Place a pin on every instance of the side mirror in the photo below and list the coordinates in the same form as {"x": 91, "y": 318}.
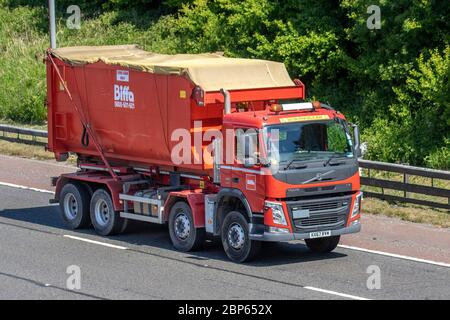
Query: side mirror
{"x": 250, "y": 151}
{"x": 357, "y": 138}
{"x": 249, "y": 162}
{"x": 364, "y": 146}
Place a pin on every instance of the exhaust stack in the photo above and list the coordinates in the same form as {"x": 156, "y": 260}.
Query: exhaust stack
{"x": 227, "y": 100}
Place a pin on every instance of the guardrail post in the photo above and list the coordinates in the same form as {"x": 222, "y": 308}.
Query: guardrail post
{"x": 405, "y": 181}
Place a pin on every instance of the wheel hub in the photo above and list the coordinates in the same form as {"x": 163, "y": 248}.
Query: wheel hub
{"x": 236, "y": 236}
{"x": 102, "y": 212}
{"x": 70, "y": 206}
{"x": 182, "y": 226}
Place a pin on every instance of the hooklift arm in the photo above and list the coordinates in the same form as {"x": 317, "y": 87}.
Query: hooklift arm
{"x": 83, "y": 120}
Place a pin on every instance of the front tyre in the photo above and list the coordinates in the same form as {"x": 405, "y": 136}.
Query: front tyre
{"x": 74, "y": 204}
{"x": 185, "y": 237}
{"x": 323, "y": 245}
{"x": 105, "y": 220}
{"x": 235, "y": 238}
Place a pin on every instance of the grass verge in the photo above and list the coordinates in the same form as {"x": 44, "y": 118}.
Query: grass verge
{"x": 24, "y": 150}
{"x": 407, "y": 212}
{"x": 29, "y": 151}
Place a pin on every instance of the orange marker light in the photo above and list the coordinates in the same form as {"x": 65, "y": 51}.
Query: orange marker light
{"x": 276, "y": 107}
{"x": 316, "y": 104}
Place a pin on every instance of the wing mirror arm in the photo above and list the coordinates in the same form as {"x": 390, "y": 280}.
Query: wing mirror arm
{"x": 357, "y": 137}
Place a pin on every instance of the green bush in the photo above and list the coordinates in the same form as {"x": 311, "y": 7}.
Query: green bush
{"x": 440, "y": 157}
{"x": 22, "y": 76}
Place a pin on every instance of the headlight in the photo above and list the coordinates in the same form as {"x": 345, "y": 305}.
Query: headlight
{"x": 357, "y": 205}
{"x": 277, "y": 213}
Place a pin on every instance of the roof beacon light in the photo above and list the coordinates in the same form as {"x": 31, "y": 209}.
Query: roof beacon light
{"x": 276, "y": 107}
{"x": 317, "y": 104}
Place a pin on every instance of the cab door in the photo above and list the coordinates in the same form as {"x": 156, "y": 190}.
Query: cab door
{"x": 246, "y": 174}
{"x": 226, "y": 161}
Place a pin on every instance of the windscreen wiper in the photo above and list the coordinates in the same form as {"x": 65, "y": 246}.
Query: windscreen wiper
{"x": 288, "y": 166}
{"x": 328, "y": 161}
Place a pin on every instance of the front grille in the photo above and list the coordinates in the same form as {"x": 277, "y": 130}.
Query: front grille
{"x": 308, "y": 222}
{"x": 320, "y": 206}
{"x": 320, "y": 214}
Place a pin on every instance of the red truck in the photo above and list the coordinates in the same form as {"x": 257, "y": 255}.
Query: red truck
{"x": 211, "y": 146}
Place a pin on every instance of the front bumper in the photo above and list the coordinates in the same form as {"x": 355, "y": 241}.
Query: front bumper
{"x": 257, "y": 232}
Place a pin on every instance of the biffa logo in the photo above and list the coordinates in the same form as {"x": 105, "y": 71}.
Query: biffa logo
{"x": 123, "y": 97}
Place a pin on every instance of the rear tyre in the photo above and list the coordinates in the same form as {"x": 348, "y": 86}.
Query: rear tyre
{"x": 323, "y": 245}
{"x": 74, "y": 204}
{"x": 185, "y": 237}
{"x": 105, "y": 220}
{"x": 235, "y": 238}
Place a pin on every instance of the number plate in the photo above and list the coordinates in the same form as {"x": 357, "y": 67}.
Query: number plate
{"x": 320, "y": 234}
{"x": 298, "y": 214}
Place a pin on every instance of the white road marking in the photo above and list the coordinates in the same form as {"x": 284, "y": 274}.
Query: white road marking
{"x": 393, "y": 255}
{"x": 344, "y": 295}
{"x": 40, "y": 162}
{"x": 12, "y": 185}
{"x": 95, "y": 242}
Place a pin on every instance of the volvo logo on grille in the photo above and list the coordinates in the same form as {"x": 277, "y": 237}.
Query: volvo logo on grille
{"x": 319, "y": 177}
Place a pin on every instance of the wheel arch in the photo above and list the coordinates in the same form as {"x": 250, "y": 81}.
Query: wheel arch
{"x": 230, "y": 199}
{"x": 196, "y": 202}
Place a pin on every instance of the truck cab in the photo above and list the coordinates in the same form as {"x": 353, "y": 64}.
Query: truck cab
{"x": 295, "y": 164}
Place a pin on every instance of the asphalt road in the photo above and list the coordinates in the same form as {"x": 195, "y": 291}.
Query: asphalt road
{"x": 36, "y": 250}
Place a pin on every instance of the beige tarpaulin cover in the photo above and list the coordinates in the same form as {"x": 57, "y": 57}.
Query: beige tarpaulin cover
{"x": 210, "y": 71}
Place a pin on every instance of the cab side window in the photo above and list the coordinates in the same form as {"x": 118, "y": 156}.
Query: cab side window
{"x": 246, "y": 146}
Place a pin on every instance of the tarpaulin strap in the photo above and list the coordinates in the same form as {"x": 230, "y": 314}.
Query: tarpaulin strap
{"x": 83, "y": 120}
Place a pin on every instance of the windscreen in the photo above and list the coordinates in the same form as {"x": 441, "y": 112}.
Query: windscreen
{"x": 308, "y": 141}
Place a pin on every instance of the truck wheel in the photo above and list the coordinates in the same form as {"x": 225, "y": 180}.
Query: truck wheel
{"x": 235, "y": 238}
{"x": 74, "y": 204}
{"x": 185, "y": 237}
{"x": 323, "y": 245}
{"x": 106, "y": 221}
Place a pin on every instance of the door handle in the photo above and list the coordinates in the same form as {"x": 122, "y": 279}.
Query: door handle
{"x": 235, "y": 180}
